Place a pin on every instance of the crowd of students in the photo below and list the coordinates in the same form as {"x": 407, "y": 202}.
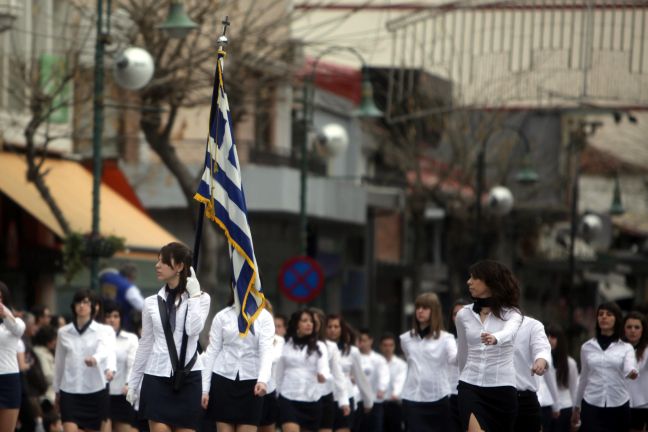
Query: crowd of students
{"x": 493, "y": 369}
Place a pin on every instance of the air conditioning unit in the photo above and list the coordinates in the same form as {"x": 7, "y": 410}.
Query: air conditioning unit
{"x": 9, "y": 11}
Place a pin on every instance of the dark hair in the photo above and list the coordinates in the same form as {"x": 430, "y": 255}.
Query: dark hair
{"x": 452, "y": 328}
{"x": 6, "y": 295}
{"x": 504, "y": 287}
{"x": 364, "y": 331}
{"x": 44, "y": 335}
{"x": 178, "y": 253}
{"x": 281, "y": 317}
{"x": 347, "y": 335}
{"x": 128, "y": 270}
{"x": 110, "y": 306}
{"x": 38, "y": 311}
{"x": 640, "y": 348}
{"x": 291, "y": 332}
{"x": 559, "y": 355}
{"x": 618, "y": 318}
{"x": 319, "y": 316}
{"x": 388, "y": 335}
{"x": 428, "y": 300}
{"x": 81, "y": 295}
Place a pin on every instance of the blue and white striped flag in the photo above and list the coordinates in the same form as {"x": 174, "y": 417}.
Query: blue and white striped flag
{"x": 221, "y": 191}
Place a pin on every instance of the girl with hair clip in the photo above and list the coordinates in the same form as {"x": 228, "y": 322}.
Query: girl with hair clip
{"x": 237, "y": 370}
{"x": 168, "y": 391}
{"x": 565, "y": 371}
{"x": 79, "y": 377}
{"x": 11, "y": 330}
{"x": 339, "y": 332}
{"x": 302, "y": 365}
{"x": 602, "y": 401}
{"x": 486, "y": 331}
{"x": 332, "y": 390}
{"x": 635, "y": 327}
{"x": 431, "y": 352}
{"x": 453, "y": 372}
{"x": 270, "y": 414}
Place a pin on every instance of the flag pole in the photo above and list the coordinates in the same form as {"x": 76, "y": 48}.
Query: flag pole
{"x": 222, "y": 43}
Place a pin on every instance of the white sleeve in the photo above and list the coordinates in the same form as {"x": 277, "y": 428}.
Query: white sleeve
{"x": 361, "y": 380}
{"x": 339, "y": 380}
{"x": 462, "y": 342}
{"x": 134, "y": 298}
{"x": 279, "y": 369}
{"x": 629, "y": 361}
{"x": 16, "y": 326}
{"x": 59, "y": 363}
{"x": 398, "y": 380}
{"x": 451, "y": 350}
{"x": 130, "y": 355}
{"x": 323, "y": 363}
{"x": 549, "y": 378}
{"x": 266, "y": 338}
{"x": 540, "y": 347}
{"x": 382, "y": 369}
{"x": 215, "y": 346}
{"x": 584, "y": 377}
{"x": 507, "y": 334}
{"x": 197, "y": 311}
{"x": 573, "y": 378}
{"x": 143, "y": 351}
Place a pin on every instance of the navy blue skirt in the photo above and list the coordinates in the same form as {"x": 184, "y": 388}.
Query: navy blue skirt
{"x": 234, "y": 402}
{"x": 307, "y": 415}
{"x": 340, "y": 421}
{"x": 493, "y": 407}
{"x": 270, "y": 411}
{"x": 121, "y": 411}
{"x": 86, "y": 410}
{"x": 181, "y": 409}
{"x": 10, "y": 391}
{"x": 328, "y": 411}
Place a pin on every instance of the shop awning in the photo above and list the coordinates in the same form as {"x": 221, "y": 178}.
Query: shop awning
{"x": 71, "y": 186}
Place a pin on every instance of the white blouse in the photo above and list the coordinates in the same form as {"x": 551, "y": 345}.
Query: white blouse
{"x": 297, "y": 372}
{"x": 486, "y": 365}
{"x": 337, "y": 384}
{"x": 125, "y": 348}
{"x": 353, "y": 373}
{"x": 603, "y": 379}
{"x": 638, "y": 388}
{"x": 278, "y": 343}
{"x": 531, "y": 344}
{"x": 428, "y": 363}
{"x": 397, "y": 375}
{"x": 71, "y": 374}
{"x": 11, "y": 330}
{"x": 152, "y": 356}
{"x": 376, "y": 370}
{"x": 108, "y": 334}
{"x": 228, "y": 354}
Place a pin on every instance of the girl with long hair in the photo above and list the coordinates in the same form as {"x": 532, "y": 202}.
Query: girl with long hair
{"x": 11, "y": 330}
{"x": 635, "y": 327}
{"x": 167, "y": 390}
{"x": 303, "y": 364}
{"x": 607, "y": 363}
{"x": 431, "y": 353}
{"x": 340, "y": 333}
{"x": 486, "y": 331}
{"x": 565, "y": 371}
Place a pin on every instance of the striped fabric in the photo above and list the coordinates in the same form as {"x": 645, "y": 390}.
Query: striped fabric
{"x": 221, "y": 191}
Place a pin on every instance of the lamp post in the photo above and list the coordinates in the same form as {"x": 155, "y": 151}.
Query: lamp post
{"x": 526, "y": 176}
{"x": 103, "y": 39}
{"x": 366, "y": 109}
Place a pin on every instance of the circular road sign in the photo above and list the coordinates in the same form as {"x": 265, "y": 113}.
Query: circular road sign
{"x": 301, "y": 279}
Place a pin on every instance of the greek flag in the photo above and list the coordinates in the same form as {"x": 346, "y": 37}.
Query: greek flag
{"x": 221, "y": 191}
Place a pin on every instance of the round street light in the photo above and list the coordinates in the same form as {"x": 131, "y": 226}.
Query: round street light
{"x": 177, "y": 24}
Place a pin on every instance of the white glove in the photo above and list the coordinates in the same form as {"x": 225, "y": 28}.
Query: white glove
{"x": 132, "y": 396}
{"x": 193, "y": 286}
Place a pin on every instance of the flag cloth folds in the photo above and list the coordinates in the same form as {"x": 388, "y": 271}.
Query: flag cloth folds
{"x": 221, "y": 191}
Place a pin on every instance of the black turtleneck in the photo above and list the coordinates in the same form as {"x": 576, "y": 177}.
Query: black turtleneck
{"x": 423, "y": 332}
{"x": 480, "y": 303}
{"x": 605, "y": 341}
{"x": 301, "y": 341}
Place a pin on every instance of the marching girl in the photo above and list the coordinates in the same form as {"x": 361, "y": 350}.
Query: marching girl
{"x": 602, "y": 401}
{"x": 635, "y": 327}
{"x": 270, "y": 412}
{"x": 179, "y": 309}
{"x": 334, "y": 386}
{"x": 122, "y": 415}
{"x": 302, "y": 365}
{"x": 453, "y": 372}
{"x": 11, "y": 330}
{"x": 565, "y": 370}
{"x": 237, "y": 370}
{"x": 339, "y": 332}
{"x": 79, "y": 378}
{"x": 486, "y": 331}
{"x": 431, "y": 352}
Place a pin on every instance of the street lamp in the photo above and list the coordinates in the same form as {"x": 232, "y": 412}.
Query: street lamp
{"x": 178, "y": 24}
{"x": 366, "y": 109}
{"x": 103, "y": 39}
{"x": 525, "y": 176}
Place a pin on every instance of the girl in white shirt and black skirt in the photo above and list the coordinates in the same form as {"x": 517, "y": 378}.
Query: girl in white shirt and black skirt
{"x": 431, "y": 352}
{"x": 486, "y": 332}
{"x": 79, "y": 377}
{"x": 166, "y": 389}
{"x": 237, "y": 370}
{"x": 566, "y": 375}
{"x": 607, "y": 365}
{"x": 635, "y": 327}
{"x": 303, "y": 364}
{"x": 11, "y": 330}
